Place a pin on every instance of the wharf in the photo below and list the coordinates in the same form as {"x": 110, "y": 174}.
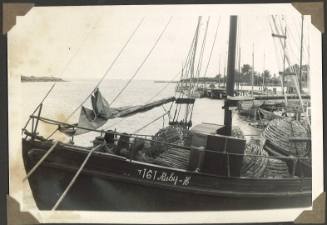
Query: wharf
{"x": 220, "y": 93}
{"x": 273, "y": 97}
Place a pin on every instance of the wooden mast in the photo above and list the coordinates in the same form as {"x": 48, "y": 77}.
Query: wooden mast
{"x": 230, "y": 82}
{"x": 301, "y": 53}
{"x": 263, "y": 71}
{"x": 252, "y": 73}
{"x": 284, "y": 65}
{"x": 239, "y": 68}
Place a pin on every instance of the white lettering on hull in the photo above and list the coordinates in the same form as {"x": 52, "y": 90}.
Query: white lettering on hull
{"x": 163, "y": 176}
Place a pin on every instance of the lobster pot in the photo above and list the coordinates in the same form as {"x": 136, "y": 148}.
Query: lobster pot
{"x": 276, "y": 168}
{"x": 254, "y": 161}
{"x": 171, "y": 134}
{"x": 278, "y": 134}
{"x": 168, "y": 155}
{"x": 257, "y": 163}
{"x": 174, "y": 157}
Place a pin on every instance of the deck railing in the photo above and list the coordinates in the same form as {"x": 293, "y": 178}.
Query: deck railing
{"x": 130, "y": 141}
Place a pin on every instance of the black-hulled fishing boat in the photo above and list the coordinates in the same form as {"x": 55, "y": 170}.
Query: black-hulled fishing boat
{"x": 182, "y": 167}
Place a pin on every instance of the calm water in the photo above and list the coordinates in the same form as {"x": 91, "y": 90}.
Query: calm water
{"x": 66, "y": 96}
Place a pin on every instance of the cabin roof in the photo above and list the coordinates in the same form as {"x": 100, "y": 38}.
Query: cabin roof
{"x": 206, "y": 128}
{"x": 240, "y": 98}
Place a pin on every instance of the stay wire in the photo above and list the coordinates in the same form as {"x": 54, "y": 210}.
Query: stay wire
{"x": 63, "y": 70}
{"x": 38, "y": 106}
{"x": 109, "y": 68}
{"x": 164, "y": 87}
{"x": 188, "y": 58}
{"x": 186, "y": 66}
{"x": 105, "y": 74}
{"x": 157, "y": 94}
{"x": 80, "y": 47}
{"x": 212, "y": 47}
{"x": 143, "y": 62}
{"x": 146, "y": 125}
{"x": 199, "y": 66}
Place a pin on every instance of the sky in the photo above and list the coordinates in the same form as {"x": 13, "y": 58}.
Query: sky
{"x": 82, "y": 42}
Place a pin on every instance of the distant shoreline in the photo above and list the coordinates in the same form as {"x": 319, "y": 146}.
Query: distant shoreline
{"x": 164, "y": 81}
{"x": 41, "y": 79}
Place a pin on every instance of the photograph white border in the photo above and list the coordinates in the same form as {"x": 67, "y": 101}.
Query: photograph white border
{"x": 248, "y": 216}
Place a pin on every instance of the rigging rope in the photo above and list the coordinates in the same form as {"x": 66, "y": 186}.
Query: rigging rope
{"x": 38, "y": 106}
{"x": 146, "y": 125}
{"x": 284, "y": 55}
{"x": 295, "y": 79}
{"x": 291, "y": 68}
{"x": 55, "y": 143}
{"x": 212, "y": 47}
{"x": 293, "y": 45}
{"x": 73, "y": 56}
{"x": 188, "y": 69}
{"x": 188, "y": 58}
{"x": 190, "y": 65}
{"x": 277, "y": 50}
{"x": 109, "y": 68}
{"x": 199, "y": 66}
{"x": 281, "y": 42}
{"x": 79, "y": 48}
{"x": 143, "y": 62}
{"x": 277, "y": 58}
{"x": 66, "y": 66}
{"x": 157, "y": 94}
{"x": 164, "y": 87}
{"x": 105, "y": 74}
{"x": 185, "y": 67}
{"x": 63, "y": 195}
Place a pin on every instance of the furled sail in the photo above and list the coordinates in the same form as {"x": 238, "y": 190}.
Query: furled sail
{"x": 101, "y": 112}
{"x": 131, "y": 110}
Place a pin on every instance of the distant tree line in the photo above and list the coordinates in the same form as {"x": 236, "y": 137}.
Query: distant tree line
{"x": 40, "y": 79}
{"x": 259, "y": 78}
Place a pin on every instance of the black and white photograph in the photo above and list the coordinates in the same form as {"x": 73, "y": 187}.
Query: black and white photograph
{"x": 165, "y": 109}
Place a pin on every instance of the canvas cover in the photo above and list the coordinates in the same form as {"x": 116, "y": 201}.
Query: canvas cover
{"x": 101, "y": 112}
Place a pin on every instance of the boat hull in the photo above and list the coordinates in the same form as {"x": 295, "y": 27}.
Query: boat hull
{"x": 119, "y": 186}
